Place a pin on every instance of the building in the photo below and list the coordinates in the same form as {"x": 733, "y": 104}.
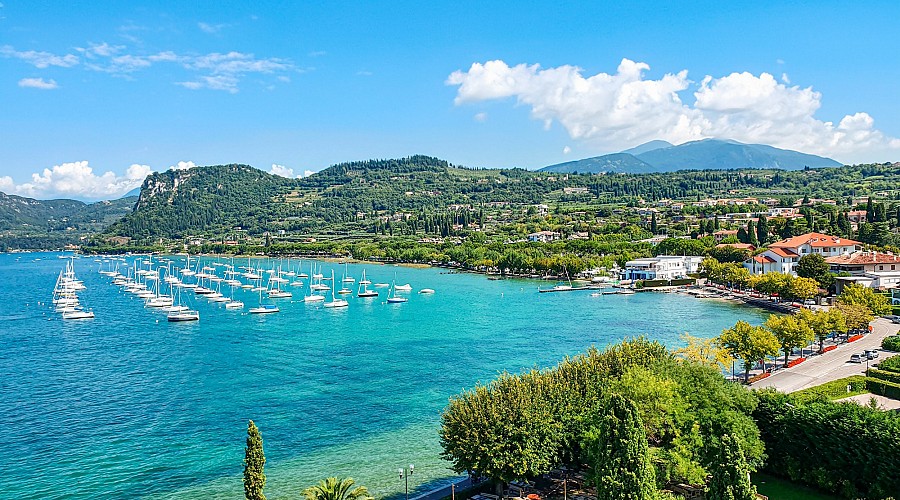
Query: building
{"x": 543, "y": 236}
{"x": 871, "y": 269}
{"x": 857, "y": 216}
{"x": 575, "y": 190}
{"x": 725, "y": 233}
{"x": 663, "y": 267}
{"x": 784, "y": 255}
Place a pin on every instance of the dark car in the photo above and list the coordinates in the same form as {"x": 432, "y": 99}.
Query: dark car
{"x": 871, "y": 354}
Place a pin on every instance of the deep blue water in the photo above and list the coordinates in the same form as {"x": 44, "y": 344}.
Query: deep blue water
{"x": 128, "y": 405}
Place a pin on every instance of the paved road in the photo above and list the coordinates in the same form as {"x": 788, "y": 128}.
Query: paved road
{"x": 832, "y": 365}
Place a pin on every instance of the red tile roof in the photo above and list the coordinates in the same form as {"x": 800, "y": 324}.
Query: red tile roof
{"x": 764, "y": 259}
{"x": 859, "y": 258}
{"x": 783, "y": 252}
{"x": 814, "y": 240}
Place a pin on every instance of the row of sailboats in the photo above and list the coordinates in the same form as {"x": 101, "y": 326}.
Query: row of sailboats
{"x": 65, "y": 294}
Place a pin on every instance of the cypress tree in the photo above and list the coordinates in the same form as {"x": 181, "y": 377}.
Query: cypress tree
{"x": 742, "y": 235}
{"x": 870, "y": 211}
{"x": 654, "y": 228}
{"x": 751, "y": 234}
{"x": 618, "y": 455}
{"x": 762, "y": 230}
{"x": 730, "y": 473}
{"x": 254, "y": 462}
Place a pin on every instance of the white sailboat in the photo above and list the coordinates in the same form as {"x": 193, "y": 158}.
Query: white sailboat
{"x": 347, "y": 278}
{"x": 335, "y": 302}
{"x": 263, "y": 308}
{"x": 363, "y": 290}
{"x": 393, "y": 298}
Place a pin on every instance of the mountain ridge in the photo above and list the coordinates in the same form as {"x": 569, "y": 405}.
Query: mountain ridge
{"x": 705, "y": 154}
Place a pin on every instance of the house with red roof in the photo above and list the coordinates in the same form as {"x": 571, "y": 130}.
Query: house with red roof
{"x": 872, "y": 269}
{"x": 783, "y": 256}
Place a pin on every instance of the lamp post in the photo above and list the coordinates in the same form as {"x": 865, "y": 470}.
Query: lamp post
{"x": 404, "y": 474}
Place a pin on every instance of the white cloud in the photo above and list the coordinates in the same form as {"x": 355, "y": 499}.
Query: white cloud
{"x": 38, "y": 83}
{"x": 619, "y": 110}
{"x": 567, "y": 150}
{"x": 281, "y": 170}
{"x": 77, "y": 180}
{"x": 211, "y": 28}
{"x": 480, "y": 117}
{"x": 307, "y": 173}
{"x": 363, "y": 73}
{"x": 183, "y": 165}
{"x": 227, "y": 83}
{"x": 785, "y": 78}
{"x": 39, "y": 59}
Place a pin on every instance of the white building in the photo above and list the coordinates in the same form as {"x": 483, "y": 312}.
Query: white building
{"x": 543, "y": 236}
{"x": 871, "y": 269}
{"x": 663, "y": 267}
{"x": 784, "y": 255}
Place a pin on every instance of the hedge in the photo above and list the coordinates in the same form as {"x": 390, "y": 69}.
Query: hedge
{"x": 891, "y": 343}
{"x": 891, "y": 364}
{"x": 676, "y": 282}
{"x": 836, "y": 389}
{"x": 848, "y": 449}
{"x": 883, "y": 388}
{"x": 887, "y": 376}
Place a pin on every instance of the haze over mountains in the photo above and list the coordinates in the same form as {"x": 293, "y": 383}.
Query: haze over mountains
{"x": 707, "y": 154}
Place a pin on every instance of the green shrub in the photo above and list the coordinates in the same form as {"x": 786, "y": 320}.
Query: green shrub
{"x": 836, "y": 389}
{"x": 891, "y": 343}
{"x": 883, "y": 388}
{"x": 893, "y": 377}
{"x": 842, "y": 448}
{"x": 891, "y": 364}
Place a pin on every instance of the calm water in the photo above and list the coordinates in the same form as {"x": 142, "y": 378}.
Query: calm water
{"x": 130, "y": 406}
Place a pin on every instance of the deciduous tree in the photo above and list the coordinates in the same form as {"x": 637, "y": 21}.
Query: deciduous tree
{"x": 749, "y": 344}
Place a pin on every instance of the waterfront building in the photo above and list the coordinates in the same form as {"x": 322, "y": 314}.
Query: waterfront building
{"x": 783, "y": 256}
{"x": 871, "y": 269}
{"x": 663, "y": 267}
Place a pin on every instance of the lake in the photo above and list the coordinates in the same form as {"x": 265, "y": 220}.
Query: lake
{"x": 128, "y": 405}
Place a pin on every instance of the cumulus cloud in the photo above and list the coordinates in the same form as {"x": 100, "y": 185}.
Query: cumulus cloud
{"x": 281, "y": 170}
{"x": 39, "y": 59}
{"x": 211, "y": 28}
{"x": 38, "y": 83}
{"x": 480, "y": 117}
{"x": 182, "y": 165}
{"x": 567, "y": 150}
{"x": 77, "y": 180}
{"x": 619, "y": 110}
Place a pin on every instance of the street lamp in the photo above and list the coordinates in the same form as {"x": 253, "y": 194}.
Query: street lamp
{"x": 404, "y": 474}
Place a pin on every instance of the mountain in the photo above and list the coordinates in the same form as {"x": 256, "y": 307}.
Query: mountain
{"x": 18, "y": 213}
{"x": 649, "y": 146}
{"x": 615, "y": 162}
{"x": 706, "y": 154}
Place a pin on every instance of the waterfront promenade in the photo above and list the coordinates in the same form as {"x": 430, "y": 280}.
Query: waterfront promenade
{"x": 831, "y": 365}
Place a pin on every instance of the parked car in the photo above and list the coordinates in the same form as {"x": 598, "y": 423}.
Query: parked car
{"x": 858, "y": 357}
{"x": 872, "y": 354}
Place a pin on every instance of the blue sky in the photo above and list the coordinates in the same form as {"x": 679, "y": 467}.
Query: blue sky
{"x": 95, "y": 95}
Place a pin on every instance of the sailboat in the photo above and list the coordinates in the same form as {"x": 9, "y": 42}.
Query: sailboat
{"x": 363, "y": 290}
{"x": 347, "y": 278}
{"x": 335, "y": 302}
{"x": 344, "y": 290}
{"x": 180, "y": 312}
{"x": 264, "y": 308}
{"x": 393, "y": 298}
{"x": 233, "y": 304}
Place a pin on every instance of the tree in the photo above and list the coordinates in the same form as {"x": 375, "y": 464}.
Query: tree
{"x": 749, "y": 344}
{"x": 618, "y": 456}
{"x": 703, "y": 351}
{"x": 790, "y": 331}
{"x": 752, "y": 237}
{"x": 804, "y": 288}
{"x": 334, "y": 488}
{"x": 730, "y": 473}
{"x": 856, "y": 294}
{"x": 254, "y": 462}
{"x": 824, "y": 323}
{"x": 654, "y": 228}
{"x": 728, "y": 254}
{"x": 742, "y": 235}
{"x": 762, "y": 230}
{"x": 813, "y": 266}
{"x": 856, "y": 316}
{"x": 870, "y": 211}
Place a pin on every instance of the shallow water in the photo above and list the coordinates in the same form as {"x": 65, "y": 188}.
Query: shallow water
{"x": 128, "y": 405}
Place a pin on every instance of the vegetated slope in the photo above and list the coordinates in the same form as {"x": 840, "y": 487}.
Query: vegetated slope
{"x": 21, "y": 214}
{"x": 615, "y": 162}
{"x": 708, "y": 154}
{"x": 189, "y": 201}
{"x": 713, "y": 154}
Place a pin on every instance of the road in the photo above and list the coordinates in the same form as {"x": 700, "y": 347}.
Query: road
{"x": 832, "y": 365}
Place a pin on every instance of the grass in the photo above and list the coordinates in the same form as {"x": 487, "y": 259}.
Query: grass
{"x": 780, "y": 489}
{"x": 836, "y": 389}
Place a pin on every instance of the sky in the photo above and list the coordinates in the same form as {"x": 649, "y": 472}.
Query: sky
{"x": 96, "y": 95}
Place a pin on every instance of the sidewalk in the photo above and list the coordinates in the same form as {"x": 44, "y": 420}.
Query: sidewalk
{"x": 831, "y": 365}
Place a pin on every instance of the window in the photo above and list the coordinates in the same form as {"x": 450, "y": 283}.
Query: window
{"x": 881, "y": 268}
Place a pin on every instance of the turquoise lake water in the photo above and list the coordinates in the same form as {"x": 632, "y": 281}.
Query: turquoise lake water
{"x": 128, "y": 405}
